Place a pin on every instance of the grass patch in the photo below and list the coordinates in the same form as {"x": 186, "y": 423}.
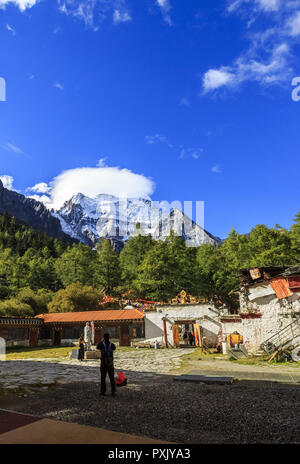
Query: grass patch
{"x": 198, "y": 355}
{"x": 263, "y": 361}
{"x": 54, "y": 352}
{"x": 51, "y": 352}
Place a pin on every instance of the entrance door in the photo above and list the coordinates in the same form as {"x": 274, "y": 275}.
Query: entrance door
{"x": 33, "y": 337}
{"x": 56, "y": 337}
{"x": 98, "y": 335}
{"x": 125, "y": 335}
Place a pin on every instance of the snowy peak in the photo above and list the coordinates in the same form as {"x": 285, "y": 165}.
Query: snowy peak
{"x": 106, "y": 216}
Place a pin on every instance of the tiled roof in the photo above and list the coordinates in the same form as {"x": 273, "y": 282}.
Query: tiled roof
{"x": 86, "y": 316}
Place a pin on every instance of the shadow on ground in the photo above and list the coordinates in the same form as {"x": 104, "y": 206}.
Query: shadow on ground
{"x": 155, "y": 406}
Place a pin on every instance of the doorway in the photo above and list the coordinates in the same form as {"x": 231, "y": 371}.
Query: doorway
{"x": 56, "y": 337}
{"x": 125, "y": 339}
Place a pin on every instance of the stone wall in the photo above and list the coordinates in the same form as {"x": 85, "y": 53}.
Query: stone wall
{"x": 261, "y": 318}
{"x": 21, "y": 343}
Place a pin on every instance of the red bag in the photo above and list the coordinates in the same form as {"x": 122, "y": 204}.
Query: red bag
{"x": 121, "y": 379}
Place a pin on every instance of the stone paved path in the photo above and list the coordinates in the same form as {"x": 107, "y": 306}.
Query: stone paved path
{"x": 44, "y": 372}
{"x": 139, "y": 365}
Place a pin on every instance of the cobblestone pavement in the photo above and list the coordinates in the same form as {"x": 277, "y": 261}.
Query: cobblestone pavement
{"x": 152, "y": 404}
{"x": 38, "y": 372}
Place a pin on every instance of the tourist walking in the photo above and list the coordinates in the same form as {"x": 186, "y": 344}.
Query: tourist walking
{"x": 81, "y": 344}
{"x": 107, "y": 364}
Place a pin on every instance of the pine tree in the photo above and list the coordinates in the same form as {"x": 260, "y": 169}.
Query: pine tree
{"x": 107, "y": 268}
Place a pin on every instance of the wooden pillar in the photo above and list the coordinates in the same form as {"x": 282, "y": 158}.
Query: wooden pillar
{"x": 175, "y": 336}
{"x": 165, "y": 333}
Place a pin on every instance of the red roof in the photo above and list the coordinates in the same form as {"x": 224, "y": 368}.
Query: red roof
{"x": 86, "y": 316}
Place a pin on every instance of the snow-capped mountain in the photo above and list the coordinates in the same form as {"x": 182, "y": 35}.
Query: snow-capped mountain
{"x": 106, "y": 216}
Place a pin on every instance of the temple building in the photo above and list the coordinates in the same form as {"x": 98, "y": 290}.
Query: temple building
{"x": 269, "y": 313}
{"x": 65, "y": 328}
{"x": 20, "y": 331}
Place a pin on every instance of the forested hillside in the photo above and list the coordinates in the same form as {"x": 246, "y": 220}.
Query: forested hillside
{"x": 40, "y": 274}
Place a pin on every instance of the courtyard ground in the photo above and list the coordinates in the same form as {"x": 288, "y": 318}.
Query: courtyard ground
{"x": 262, "y": 406}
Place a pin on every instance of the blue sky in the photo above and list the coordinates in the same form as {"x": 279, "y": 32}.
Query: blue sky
{"x": 195, "y": 96}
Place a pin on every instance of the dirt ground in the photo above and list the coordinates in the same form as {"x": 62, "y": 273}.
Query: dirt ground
{"x": 154, "y": 405}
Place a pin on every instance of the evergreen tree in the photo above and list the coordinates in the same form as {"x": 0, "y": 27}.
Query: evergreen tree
{"x": 76, "y": 265}
{"x": 295, "y": 238}
{"x": 132, "y": 256}
{"x": 107, "y": 268}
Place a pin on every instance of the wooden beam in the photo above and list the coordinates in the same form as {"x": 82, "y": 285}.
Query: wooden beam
{"x": 165, "y": 333}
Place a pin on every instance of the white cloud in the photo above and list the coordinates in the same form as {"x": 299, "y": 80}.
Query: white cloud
{"x": 294, "y": 24}
{"x": 165, "y": 7}
{"x": 39, "y": 188}
{"x": 7, "y": 181}
{"x": 194, "y": 153}
{"x": 246, "y": 69}
{"x": 102, "y": 163}
{"x": 10, "y": 29}
{"x": 121, "y": 17}
{"x": 269, "y": 5}
{"x": 22, "y": 4}
{"x": 265, "y": 5}
{"x": 94, "y": 12}
{"x": 216, "y": 169}
{"x": 94, "y": 181}
{"x": 42, "y": 198}
{"x": 58, "y": 86}
{"x": 215, "y": 78}
{"x": 155, "y": 139}
{"x": 269, "y": 57}
{"x": 12, "y": 148}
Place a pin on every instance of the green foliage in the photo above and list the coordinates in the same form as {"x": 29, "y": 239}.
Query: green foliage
{"x": 37, "y": 300}
{"x": 132, "y": 256}
{"x": 75, "y": 297}
{"x": 295, "y": 237}
{"x": 76, "y": 265}
{"x": 13, "y": 307}
{"x": 20, "y": 237}
{"x": 107, "y": 266}
{"x": 262, "y": 247}
{"x": 38, "y": 273}
{"x": 168, "y": 267}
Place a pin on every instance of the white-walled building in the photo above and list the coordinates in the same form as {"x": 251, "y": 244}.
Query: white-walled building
{"x": 269, "y": 302}
{"x": 182, "y": 315}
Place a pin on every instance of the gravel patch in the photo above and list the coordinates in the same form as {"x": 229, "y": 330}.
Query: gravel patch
{"x": 248, "y": 412}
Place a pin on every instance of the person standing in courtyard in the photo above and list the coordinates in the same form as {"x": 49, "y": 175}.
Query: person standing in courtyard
{"x": 107, "y": 364}
{"x": 81, "y": 344}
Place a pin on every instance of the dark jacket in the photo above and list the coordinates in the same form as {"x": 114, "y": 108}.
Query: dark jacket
{"x": 107, "y": 349}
